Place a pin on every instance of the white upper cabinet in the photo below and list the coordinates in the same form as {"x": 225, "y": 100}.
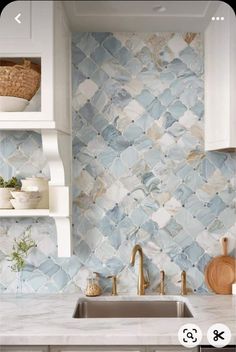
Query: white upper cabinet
{"x": 220, "y": 80}
{"x": 44, "y": 37}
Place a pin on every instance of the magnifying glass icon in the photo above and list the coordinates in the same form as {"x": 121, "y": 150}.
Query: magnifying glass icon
{"x": 190, "y": 335}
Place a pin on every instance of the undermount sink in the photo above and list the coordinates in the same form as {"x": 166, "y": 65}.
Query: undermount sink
{"x": 131, "y": 309}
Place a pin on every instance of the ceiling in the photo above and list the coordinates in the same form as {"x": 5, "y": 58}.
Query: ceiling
{"x": 141, "y": 16}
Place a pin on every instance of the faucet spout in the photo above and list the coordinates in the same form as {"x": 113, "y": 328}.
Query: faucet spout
{"x": 142, "y": 283}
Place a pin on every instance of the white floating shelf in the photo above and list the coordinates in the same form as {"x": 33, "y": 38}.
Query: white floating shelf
{"x": 16, "y": 121}
{"x": 23, "y": 212}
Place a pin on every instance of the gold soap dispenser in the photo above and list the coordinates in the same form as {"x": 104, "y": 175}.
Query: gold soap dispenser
{"x": 93, "y": 288}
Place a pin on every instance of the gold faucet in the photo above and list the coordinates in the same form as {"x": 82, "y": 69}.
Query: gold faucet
{"x": 162, "y": 282}
{"x": 142, "y": 283}
{"x": 184, "y": 290}
{"x": 114, "y": 285}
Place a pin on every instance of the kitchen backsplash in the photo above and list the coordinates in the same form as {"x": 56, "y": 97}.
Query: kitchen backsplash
{"x": 140, "y": 171}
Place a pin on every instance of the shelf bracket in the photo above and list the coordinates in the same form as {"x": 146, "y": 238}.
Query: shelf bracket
{"x": 57, "y": 147}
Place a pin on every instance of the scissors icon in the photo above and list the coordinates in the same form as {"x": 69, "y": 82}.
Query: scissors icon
{"x": 218, "y": 335}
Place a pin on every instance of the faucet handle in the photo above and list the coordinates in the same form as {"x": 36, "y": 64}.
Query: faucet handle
{"x": 184, "y": 289}
{"x": 146, "y": 279}
{"x": 161, "y": 286}
{"x": 114, "y": 284}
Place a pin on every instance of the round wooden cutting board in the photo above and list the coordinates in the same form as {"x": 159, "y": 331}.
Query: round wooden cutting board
{"x": 220, "y": 272}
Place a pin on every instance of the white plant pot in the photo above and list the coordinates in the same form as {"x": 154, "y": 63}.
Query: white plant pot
{"x": 5, "y": 196}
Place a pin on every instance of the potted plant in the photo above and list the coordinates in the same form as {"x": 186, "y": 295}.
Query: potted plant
{"x": 5, "y": 191}
{"x": 20, "y": 251}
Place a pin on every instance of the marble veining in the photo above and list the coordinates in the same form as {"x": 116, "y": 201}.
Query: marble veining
{"x": 47, "y": 320}
{"x": 140, "y": 174}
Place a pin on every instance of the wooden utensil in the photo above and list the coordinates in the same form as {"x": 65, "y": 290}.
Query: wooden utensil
{"x": 220, "y": 272}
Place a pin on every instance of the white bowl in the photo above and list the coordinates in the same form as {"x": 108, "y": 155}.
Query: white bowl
{"x": 25, "y": 195}
{"x": 12, "y": 104}
{"x": 27, "y": 204}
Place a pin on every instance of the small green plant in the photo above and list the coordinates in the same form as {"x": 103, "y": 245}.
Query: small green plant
{"x": 20, "y": 251}
{"x": 12, "y": 183}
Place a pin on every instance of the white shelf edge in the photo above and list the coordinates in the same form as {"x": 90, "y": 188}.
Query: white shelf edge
{"x": 26, "y": 125}
{"x": 23, "y": 212}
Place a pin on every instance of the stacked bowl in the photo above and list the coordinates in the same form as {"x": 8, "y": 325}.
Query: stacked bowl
{"x": 25, "y": 199}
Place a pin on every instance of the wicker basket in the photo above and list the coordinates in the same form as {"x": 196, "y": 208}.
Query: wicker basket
{"x": 21, "y": 81}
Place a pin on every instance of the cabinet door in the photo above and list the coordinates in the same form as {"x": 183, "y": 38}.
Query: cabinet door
{"x": 220, "y": 82}
{"x": 97, "y": 349}
{"x": 24, "y": 349}
{"x": 171, "y": 348}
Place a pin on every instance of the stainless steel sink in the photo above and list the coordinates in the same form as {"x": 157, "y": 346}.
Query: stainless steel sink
{"x": 131, "y": 309}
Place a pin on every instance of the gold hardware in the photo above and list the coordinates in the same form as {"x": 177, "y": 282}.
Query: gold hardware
{"x": 142, "y": 283}
{"x": 114, "y": 284}
{"x": 184, "y": 290}
{"x": 162, "y": 282}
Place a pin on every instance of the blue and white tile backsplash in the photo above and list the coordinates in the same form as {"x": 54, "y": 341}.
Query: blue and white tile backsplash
{"x": 140, "y": 172}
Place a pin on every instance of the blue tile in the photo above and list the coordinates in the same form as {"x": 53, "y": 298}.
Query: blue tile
{"x": 61, "y": 279}
{"x": 194, "y": 252}
{"x": 133, "y": 66}
{"x": 115, "y": 265}
{"x": 123, "y": 56}
{"x": 112, "y": 45}
{"x": 168, "y": 120}
{"x": 106, "y": 226}
{"x": 99, "y": 77}
{"x": 99, "y": 123}
{"x": 101, "y": 36}
{"x": 203, "y": 261}
{"x": 7, "y": 147}
{"x": 182, "y": 261}
{"x": 156, "y": 109}
{"x": 88, "y": 111}
{"x": 206, "y": 168}
{"x": 173, "y": 227}
{"x": 177, "y": 109}
{"x": 132, "y": 132}
{"x": 107, "y": 157}
{"x": 145, "y": 98}
{"x": 198, "y": 109}
{"x": 99, "y": 55}
{"x": 77, "y": 55}
{"x": 110, "y": 132}
{"x": 49, "y": 268}
{"x": 87, "y": 43}
{"x": 176, "y": 130}
{"x": 83, "y": 251}
{"x": 217, "y": 227}
{"x": 119, "y": 144}
{"x": 166, "y": 97}
{"x": 216, "y": 205}
{"x": 120, "y": 98}
{"x": 87, "y": 67}
{"x": 115, "y": 239}
{"x": 182, "y": 193}
{"x": 177, "y": 67}
{"x": 138, "y": 216}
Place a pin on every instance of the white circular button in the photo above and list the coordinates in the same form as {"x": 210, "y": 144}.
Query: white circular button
{"x": 219, "y": 335}
{"x": 190, "y": 335}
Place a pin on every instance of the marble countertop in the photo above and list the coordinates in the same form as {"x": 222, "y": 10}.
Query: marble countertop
{"x": 47, "y": 320}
